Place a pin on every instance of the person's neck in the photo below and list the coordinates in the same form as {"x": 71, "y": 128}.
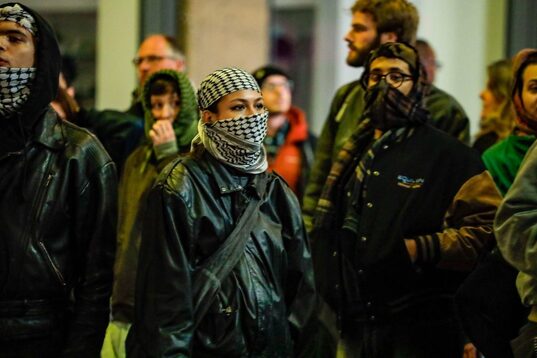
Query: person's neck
{"x": 275, "y": 122}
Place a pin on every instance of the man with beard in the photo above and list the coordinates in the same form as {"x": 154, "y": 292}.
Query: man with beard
{"x": 374, "y": 22}
{"x": 394, "y": 231}
{"x": 57, "y": 205}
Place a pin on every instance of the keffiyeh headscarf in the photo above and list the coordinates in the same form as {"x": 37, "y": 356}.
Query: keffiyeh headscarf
{"x": 237, "y": 142}
{"x": 15, "y": 83}
{"x": 17, "y": 14}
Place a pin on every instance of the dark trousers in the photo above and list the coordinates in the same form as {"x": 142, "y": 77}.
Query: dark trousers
{"x": 489, "y": 307}
{"x": 404, "y": 337}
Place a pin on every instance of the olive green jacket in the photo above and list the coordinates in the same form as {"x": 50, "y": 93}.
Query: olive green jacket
{"x": 140, "y": 173}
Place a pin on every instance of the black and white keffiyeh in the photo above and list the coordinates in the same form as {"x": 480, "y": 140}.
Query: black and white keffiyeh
{"x": 16, "y": 13}
{"x": 237, "y": 142}
{"x": 15, "y": 86}
{"x": 222, "y": 82}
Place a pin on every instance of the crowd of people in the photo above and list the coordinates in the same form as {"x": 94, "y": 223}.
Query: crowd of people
{"x": 213, "y": 223}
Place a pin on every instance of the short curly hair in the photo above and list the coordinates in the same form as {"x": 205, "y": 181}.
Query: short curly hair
{"x": 398, "y": 16}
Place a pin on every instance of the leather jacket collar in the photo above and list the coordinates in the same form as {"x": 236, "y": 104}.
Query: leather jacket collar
{"x": 230, "y": 180}
{"x": 47, "y": 131}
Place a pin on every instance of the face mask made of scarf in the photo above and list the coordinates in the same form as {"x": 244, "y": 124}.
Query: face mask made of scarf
{"x": 15, "y": 86}
{"x": 388, "y": 108}
{"x": 237, "y": 142}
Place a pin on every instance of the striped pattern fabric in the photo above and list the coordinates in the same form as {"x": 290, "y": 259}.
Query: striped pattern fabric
{"x": 325, "y": 211}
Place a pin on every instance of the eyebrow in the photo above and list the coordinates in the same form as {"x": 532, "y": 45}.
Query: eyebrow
{"x": 391, "y": 69}
{"x": 13, "y": 32}
{"x": 244, "y": 100}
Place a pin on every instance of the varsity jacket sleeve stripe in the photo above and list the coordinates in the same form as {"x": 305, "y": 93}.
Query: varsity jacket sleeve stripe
{"x": 467, "y": 226}
{"x": 516, "y": 223}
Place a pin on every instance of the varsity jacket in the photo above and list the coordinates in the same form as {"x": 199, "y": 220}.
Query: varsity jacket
{"x": 428, "y": 187}
{"x": 345, "y": 114}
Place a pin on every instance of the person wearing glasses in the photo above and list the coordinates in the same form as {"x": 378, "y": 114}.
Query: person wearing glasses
{"x": 374, "y": 22}
{"x": 157, "y": 52}
{"x": 289, "y": 144}
{"x": 404, "y": 214}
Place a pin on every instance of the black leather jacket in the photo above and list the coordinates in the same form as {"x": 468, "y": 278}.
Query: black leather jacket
{"x": 57, "y": 225}
{"x": 264, "y": 303}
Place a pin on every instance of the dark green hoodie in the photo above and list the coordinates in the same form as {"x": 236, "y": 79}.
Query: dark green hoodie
{"x": 140, "y": 172}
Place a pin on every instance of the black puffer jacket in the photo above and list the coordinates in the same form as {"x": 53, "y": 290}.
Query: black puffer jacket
{"x": 264, "y": 303}
{"x": 57, "y": 225}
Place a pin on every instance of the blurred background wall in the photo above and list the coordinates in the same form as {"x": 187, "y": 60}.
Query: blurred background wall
{"x": 303, "y": 36}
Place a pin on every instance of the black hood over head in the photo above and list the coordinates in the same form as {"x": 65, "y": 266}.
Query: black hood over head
{"x": 48, "y": 65}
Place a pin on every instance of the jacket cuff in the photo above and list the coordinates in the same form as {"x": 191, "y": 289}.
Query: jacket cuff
{"x": 166, "y": 150}
{"x": 428, "y": 249}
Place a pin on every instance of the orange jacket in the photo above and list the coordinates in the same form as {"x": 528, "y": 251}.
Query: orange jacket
{"x": 289, "y": 161}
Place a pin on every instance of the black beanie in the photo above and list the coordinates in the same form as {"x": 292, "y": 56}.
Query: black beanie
{"x": 262, "y": 73}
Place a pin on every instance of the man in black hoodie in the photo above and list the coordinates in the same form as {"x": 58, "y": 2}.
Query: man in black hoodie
{"x": 57, "y": 205}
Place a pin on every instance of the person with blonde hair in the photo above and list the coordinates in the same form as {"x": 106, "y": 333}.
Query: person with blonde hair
{"x": 497, "y": 114}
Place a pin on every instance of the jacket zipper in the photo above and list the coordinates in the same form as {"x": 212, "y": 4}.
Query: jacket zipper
{"x": 41, "y": 198}
{"x": 40, "y": 242}
{"x": 51, "y": 263}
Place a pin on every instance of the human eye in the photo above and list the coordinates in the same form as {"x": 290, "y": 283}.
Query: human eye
{"x": 359, "y": 28}
{"x": 156, "y": 105}
{"x": 374, "y": 77}
{"x": 153, "y": 58}
{"x": 238, "y": 107}
{"x": 260, "y": 106}
{"x": 16, "y": 38}
{"x": 395, "y": 77}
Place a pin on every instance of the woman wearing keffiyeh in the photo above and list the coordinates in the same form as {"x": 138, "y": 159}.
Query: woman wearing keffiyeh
{"x": 404, "y": 210}
{"x": 202, "y": 231}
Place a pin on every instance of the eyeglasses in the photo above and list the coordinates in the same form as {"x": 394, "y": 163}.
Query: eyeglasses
{"x": 394, "y": 79}
{"x": 150, "y": 59}
{"x": 272, "y": 86}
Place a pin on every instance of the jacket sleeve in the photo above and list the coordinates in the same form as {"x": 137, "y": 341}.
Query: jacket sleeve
{"x": 300, "y": 285}
{"x": 163, "y": 322}
{"x": 516, "y": 222}
{"x": 323, "y": 160}
{"x": 95, "y": 229}
{"x": 467, "y": 226}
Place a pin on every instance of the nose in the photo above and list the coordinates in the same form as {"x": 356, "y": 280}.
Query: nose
{"x": 166, "y": 112}
{"x": 3, "y": 43}
{"x": 348, "y": 37}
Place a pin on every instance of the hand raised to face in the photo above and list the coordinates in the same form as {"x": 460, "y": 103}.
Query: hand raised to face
{"x": 162, "y": 132}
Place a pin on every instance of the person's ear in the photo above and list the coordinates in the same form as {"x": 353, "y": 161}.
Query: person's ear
{"x": 388, "y": 37}
{"x": 208, "y": 116}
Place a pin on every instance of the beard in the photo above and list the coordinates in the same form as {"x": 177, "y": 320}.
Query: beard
{"x": 356, "y": 57}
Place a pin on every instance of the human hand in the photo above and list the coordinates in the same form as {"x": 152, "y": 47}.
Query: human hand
{"x": 162, "y": 132}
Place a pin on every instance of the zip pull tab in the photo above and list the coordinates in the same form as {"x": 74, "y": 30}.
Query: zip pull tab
{"x": 227, "y": 311}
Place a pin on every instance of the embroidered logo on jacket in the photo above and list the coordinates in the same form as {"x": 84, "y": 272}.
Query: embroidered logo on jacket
{"x": 409, "y": 183}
